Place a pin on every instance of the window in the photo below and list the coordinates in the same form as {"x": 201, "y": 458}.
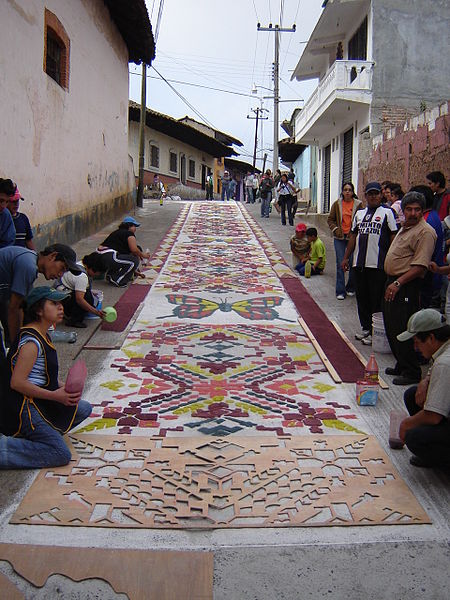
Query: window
{"x": 192, "y": 168}
{"x": 357, "y": 47}
{"x": 173, "y": 166}
{"x": 56, "y": 50}
{"x": 154, "y": 156}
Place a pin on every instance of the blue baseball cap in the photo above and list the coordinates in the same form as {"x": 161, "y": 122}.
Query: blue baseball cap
{"x": 131, "y": 220}
{"x": 46, "y": 292}
{"x": 373, "y": 186}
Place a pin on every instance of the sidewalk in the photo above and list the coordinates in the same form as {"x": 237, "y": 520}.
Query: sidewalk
{"x": 336, "y": 562}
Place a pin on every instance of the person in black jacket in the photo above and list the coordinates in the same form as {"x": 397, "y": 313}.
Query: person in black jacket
{"x": 121, "y": 254}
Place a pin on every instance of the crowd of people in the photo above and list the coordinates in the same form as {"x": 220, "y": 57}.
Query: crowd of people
{"x": 393, "y": 252}
{"x": 270, "y": 191}
{"x": 35, "y": 408}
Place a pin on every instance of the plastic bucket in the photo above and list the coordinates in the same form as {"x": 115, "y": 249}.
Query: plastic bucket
{"x": 379, "y": 340}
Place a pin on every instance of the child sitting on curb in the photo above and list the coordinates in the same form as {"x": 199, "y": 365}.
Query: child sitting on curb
{"x": 317, "y": 258}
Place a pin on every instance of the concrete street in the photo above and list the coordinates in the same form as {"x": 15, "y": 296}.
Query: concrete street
{"x": 352, "y": 563}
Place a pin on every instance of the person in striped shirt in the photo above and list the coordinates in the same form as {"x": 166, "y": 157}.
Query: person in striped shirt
{"x": 373, "y": 230}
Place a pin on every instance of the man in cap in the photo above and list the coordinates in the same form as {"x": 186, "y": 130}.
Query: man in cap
{"x": 24, "y": 234}
{"x": 406, "y": 265}
{"x": 226, "y": 180}
{"x": 300, "y": 246}
{"x": 121, "y": 254}
{"x": 19, "y": 267}
{"x": 373, "y": 229}
{"x": 426, "y": 432}
{"x": 7, "y": 229}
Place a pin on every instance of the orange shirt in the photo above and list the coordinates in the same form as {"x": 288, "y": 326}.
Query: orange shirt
{"x": 347, "y": 208}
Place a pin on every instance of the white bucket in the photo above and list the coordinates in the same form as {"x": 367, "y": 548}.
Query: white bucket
{"x": 379, "y": 340}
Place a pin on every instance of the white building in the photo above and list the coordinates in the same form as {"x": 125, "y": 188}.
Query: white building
{"x": 376, "y": 62}
{"x": 178, "y": 150}
{"x": 64, "y": 99}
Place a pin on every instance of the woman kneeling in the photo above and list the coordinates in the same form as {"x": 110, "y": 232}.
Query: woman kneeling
{"x": 38, "y": 409}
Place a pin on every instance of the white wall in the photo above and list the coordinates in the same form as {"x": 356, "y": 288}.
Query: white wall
{"x": 166, "y": 145}
{"x": 67, "y": 150}
{"x": 360, "y": 122}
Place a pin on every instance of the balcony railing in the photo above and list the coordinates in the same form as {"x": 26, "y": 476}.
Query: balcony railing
{"x": 344, "y": 77}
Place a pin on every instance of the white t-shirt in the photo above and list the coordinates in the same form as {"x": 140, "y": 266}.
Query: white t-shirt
{"x": 73, "y": 283}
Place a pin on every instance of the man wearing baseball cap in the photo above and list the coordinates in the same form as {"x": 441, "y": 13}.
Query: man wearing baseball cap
{"x": 426, "y": 432}
{"x": 24, "y": 233}
{"x": 19, "y": 267}
{"x": 373, "y": 229}
{"x": 7, "y": 229}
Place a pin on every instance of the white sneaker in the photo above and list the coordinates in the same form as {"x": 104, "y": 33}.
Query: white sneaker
{"x": 362, "y": 335}
{"x": 340, "y": 297}
{"x": 367, "y": 341}
{"x": 350, "y": 294}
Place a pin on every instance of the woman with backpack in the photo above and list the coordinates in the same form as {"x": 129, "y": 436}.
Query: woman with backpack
{"x": 266, "y": 186}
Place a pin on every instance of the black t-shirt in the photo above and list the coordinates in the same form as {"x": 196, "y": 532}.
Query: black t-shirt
{"x": 118, "y": 240}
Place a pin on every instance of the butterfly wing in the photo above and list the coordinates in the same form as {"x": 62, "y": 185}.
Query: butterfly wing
{"x": 191, "y": 307}
{"x": 258, "y": 308}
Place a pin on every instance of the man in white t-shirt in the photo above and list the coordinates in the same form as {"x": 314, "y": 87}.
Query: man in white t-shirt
{"x": 372, "y": 232}
{"x": 80, "y": 300}
{"x": 426, "y": 432}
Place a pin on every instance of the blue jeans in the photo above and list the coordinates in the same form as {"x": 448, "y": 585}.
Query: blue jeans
{"x": 250, "y": 195}
{"x": 339, "y": 247}
{"x": 265, "y": 204}
{"x": 225, "y": 190}
{"x": 300, "y": 268}
{"x": 40, "y": 445}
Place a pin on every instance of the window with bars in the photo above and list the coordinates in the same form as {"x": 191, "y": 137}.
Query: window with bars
{"x": 56, "y": 50}
{"x": 173, "y": 162}
{"x": 154, "y": 156}
{"x": 192, "y": 168}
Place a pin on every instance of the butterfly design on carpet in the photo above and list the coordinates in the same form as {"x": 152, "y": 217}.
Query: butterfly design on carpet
{"x": 254, "y": 309}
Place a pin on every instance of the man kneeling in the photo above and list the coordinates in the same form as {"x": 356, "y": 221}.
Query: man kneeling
{"x": 427, "y": 431}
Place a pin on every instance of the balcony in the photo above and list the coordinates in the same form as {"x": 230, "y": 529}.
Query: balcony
{"x": 346, "y": 81}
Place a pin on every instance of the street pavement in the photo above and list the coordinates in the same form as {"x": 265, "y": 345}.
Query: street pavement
{"x": 398, "y": 561}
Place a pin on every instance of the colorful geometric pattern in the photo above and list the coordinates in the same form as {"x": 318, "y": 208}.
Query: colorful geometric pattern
{"x": 217, "y": 348}
{"x": 221, "y": 482}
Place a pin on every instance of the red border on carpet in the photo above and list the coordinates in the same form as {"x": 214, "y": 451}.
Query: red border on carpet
{"x": 343, "y": 359}
{"x": 126, "y": 307}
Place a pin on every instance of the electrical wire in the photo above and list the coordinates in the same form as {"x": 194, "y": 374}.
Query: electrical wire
{"x": 204, "y": 119}
{"x": 206, "y": 87}
{"x": 290, "y": 37}
{"x": 257, "y": 18}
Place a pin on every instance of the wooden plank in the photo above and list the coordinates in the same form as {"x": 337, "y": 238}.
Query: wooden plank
{"x": 363, "y": 359}
{"x": 323, "y": 357}
{"x": 140, "y": 574}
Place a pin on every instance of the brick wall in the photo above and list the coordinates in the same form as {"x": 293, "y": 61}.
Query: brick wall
{"x": 406, "y": 153}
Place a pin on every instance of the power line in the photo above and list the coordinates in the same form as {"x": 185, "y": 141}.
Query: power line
{"x": 207, "y": 87}
{"x": 204, "y": 119}
{"x": 257, "y": 18}
{"x": 290, "y": 38}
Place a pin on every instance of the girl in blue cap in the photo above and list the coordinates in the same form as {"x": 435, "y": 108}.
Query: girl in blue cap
{"x": 37, "y": 407}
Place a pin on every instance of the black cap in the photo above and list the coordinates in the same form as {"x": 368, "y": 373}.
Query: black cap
{"x": 66, "y": 254}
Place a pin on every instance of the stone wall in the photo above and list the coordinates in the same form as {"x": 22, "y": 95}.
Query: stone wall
{"x": 406, "y": 153}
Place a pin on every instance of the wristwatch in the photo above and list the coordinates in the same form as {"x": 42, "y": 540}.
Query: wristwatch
{"x": 397, "y": 283}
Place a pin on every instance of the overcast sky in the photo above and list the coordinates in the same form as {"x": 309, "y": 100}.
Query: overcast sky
{"x": 215, "y": 43}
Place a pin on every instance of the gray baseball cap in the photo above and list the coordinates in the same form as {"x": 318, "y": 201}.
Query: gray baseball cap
{"x": 426, "y": 319}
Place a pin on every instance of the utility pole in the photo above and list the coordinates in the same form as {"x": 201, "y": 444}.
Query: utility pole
{"x": 140, "y": 191}
{"x": 258, "y": 111}
{"x": 276, "y": 91}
